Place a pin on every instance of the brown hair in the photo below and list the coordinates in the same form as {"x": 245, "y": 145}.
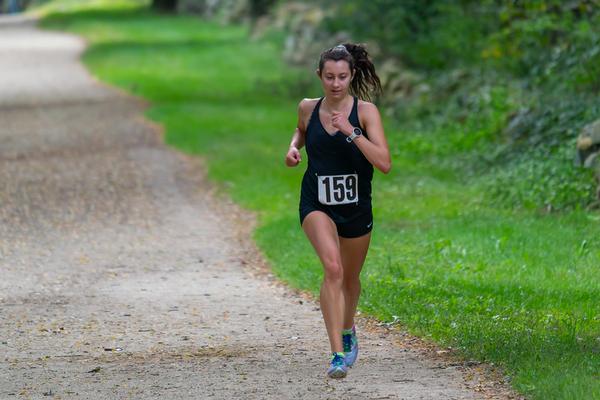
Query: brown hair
{"x": 365, "y": 80}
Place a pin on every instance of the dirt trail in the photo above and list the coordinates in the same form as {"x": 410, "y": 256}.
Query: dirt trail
{"x": 124, "y": 276}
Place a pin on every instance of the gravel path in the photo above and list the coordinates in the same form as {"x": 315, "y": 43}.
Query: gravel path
{"x": 123, "y": 274}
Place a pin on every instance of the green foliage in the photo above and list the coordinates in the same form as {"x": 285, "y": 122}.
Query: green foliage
{"x": 533, "y": 166}
{"x": 523, "y": 159}
{"x": 536, "y": 39}
{"x": 544, "y": 40}
{"x": 454, "y": 133}
{"x": 506, "y": 87}
{"x": 425, "y": 34}
{"x": 553, "y": 121}
{"x": 541, "y": 179}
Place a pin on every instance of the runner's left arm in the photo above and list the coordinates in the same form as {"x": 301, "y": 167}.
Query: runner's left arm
{"x": 375, "y": 148}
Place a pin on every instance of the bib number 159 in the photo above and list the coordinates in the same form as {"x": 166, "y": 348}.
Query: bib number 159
{"x": 338, "y": 189}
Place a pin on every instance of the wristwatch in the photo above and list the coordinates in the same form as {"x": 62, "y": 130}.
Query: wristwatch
{"x": 356, "y": 132}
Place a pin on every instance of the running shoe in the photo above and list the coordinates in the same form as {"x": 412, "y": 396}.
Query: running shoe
{"x": 338, "y": 368}
{"x": 350, "y": 343}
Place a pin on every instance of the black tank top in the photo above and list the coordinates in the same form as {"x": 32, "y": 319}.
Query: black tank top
{"x": 333, "y": 155}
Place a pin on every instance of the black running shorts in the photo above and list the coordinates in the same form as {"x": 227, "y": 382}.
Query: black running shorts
{"x": 354, "y": 226}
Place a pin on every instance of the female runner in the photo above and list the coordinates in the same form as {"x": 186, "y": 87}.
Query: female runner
{"x": 344, "y": 139}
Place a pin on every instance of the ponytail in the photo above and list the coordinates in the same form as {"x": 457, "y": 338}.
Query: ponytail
{"x": 365, "y": 81}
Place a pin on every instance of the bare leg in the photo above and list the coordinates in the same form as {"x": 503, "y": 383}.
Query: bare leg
{"x": 353, "y": 252}
{"x": 322, "y": 233}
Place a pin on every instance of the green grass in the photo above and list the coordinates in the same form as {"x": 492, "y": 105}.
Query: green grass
{"x": 517, "y": 288}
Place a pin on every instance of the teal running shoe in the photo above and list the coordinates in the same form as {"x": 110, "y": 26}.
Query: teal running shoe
{"x": 338, "y": 368}
{"x": 350, "y": 343}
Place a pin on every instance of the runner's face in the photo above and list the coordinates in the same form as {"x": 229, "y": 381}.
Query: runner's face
{"x": 335, "y": 78}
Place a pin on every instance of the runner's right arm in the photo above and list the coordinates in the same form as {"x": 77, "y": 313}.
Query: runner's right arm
{"x": 293, "y": 156}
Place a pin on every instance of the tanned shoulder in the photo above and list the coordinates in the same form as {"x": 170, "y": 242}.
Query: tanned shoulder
{"x": 307, "y": 105}
{"x": 305, "y": 109}
{"x": 366, "y": 110}
{"x": 366, "y": 106}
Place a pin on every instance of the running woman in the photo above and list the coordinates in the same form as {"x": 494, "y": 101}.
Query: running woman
{"x": 344, "y": 139}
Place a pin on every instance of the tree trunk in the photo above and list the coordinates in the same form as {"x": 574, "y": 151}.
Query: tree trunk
{"x": 164, "y": 5}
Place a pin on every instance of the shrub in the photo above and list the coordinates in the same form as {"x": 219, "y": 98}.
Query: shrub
{"x": 541, "y": 179}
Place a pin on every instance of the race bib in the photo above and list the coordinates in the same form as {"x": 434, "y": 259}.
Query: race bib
{"x": 338, "y": 189}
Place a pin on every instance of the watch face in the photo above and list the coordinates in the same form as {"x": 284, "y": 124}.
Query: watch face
{"x": 357, "y": 131}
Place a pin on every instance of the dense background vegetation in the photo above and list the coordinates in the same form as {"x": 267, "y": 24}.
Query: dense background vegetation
{"x": 509, "y": 86}
{"x": 484, "y": 102}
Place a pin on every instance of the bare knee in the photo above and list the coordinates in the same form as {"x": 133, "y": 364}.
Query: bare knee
{"x": 333, "y": 271}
